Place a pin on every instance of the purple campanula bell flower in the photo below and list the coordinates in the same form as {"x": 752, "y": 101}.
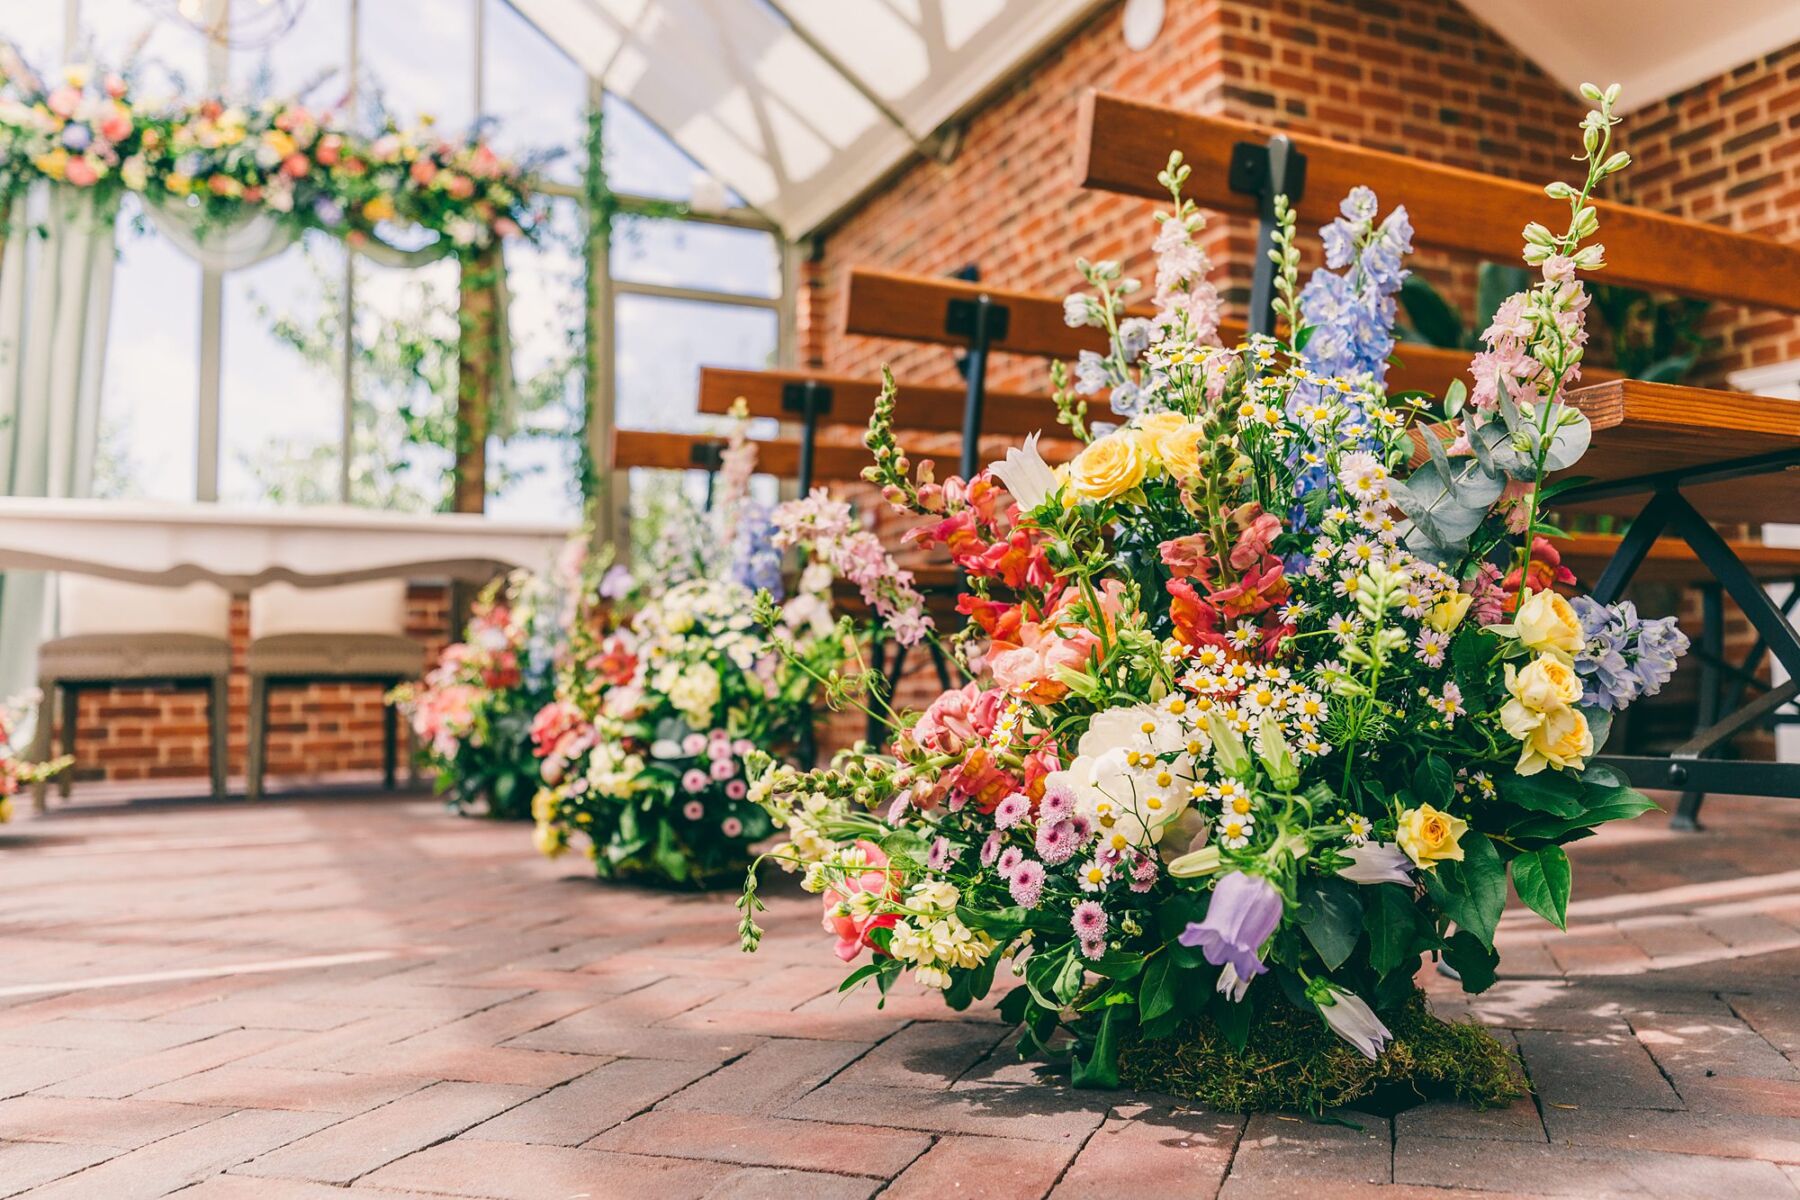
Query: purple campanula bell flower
{"x": 1353, "y": 1020}
{"x": 1245, "y": 910}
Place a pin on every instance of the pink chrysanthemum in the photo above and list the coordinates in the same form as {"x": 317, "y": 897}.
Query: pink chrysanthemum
{"x": 1027, "y": 884}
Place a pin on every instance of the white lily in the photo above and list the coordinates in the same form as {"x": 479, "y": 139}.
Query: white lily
{"x": 1377, "y": 862}
{"x": 1026, "y": 475}
{"x": 1354, "y": 1021}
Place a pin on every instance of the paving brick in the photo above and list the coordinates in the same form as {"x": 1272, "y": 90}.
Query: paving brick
{"x": 766, "y": 1080}
{"x": 1050, "y": 1115}
{"x": 1582, "y": 1171}
{"x": 586, "y": 1033}
{"x": 435, "y": 1059}
{"x": 185, "y": 1157}
{"x": 279, "y": 1087}
{"x": 1609, "y": 1069}
{"x": 120, "y": 1123}
{"x": 1153, "y": 1152}
{"x": 758, "y": 1141}
{"x": 762, "y": 1183}
{"x": 928, "y": 1054}
{"x": 983, "y": 1168}
{"x": 147, "y": 1071}
{"x": 1694, "y": 1051}
{"x": 1516, "y": 1122}
{"x": 584, "y": 1107}
{"x": 362, "y": 1143}
{"x": 1735, "y": 1135}
{"x": 25, "y": 1165}
{"x": 114, "y": 1037}
{"x": 244, "y": 1187}
{"x": 514, "y": 1171}
{"x": 1286, "y": 1148}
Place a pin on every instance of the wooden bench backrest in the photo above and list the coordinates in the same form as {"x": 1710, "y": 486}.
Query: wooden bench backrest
{"x": 923, "y": 408}
{"x": 911, "y": 307}
{"x": 685, "y": 452}
{"x": 1121, "y": 145}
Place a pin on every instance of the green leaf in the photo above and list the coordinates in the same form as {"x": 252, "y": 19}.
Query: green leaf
{"x": 1471, "y": 892}
{"x": 1067, "y": 985}
{"x": 1156, "y": 994}
{"x": 1474, "y": 962}
{"x": 1434, "y": 781}
{"x": 857, "y": 976}
{"x": 1547, "y": 791}
{"x": 1117, "y": 964}
{"x": 1620, "y": 804}
{"x": 1331, "y": 915}
{"x": 1392, "y": 920}
{"x": 1430, "y": 314}
{"x": 1013, "y": 1005}
{"x": 1100, "y": 1067}
{"x": 1232, "y": 1018}
{"x": 1542, "y": 880}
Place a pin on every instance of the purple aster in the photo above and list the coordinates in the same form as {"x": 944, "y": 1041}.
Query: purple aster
{"x": 1012, "y": 810}
{"x": 1027, "y": 883}
{"x": 1244, "y": 911}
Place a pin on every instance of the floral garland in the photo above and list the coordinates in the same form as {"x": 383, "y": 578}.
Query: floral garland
{"x": 227, "y": 160}
{"x": 473, "y": 711}
{"x": 1269, "y": 712}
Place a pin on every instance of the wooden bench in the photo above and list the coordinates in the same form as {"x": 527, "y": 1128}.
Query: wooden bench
{"x": 1678, "y": 458}
{"x": 664, "y": 451}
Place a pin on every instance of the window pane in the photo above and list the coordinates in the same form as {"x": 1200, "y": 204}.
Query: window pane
{"x": 308, "y": 58}
{"x": 173, "y": 54}
{"x": 37, "y": 31}
{"x": 661, "y": 346}
{"x": 281, "y": 396}
{"x": 697, "y": 255}
{"x": 418, "y": 59}
{"x": 150, "y": 395}
{"x": 404, "y": 385}
{"x": 535, "y": 94}
{"x": 642, "y": 162}
{"x": 534, "y": 467}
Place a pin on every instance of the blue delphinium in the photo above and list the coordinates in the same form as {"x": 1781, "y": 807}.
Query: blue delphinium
{"x": 755, "y": 562}
{"x": 1625, "y": 656}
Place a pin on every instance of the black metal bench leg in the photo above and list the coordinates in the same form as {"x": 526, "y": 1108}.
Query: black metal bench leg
{"x": 1712, "y": 649}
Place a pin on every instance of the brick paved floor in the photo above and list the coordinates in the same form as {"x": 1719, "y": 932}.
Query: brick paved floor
{"x": 313, "y": 1001}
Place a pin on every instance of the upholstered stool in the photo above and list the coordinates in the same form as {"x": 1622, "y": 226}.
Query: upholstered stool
{"x": 355, "y": 633}
{"x": 126, "y": 634}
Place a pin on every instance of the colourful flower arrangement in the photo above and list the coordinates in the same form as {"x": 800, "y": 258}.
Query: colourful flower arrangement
{"x": 473, "y": 712}
{"x": 227, "y": 159}
{"x": 1273, "y": 683}
{"x": 666, "y": 700}
{"x": 15, "y": 770}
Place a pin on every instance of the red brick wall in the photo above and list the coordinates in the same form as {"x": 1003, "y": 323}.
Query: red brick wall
{"x": 1728, "y": 152}
{"x": 136, "y": 733}
{"x": 1415, "y": 76}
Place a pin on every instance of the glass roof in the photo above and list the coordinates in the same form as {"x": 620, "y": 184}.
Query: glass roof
{"x": 799, "y": 105}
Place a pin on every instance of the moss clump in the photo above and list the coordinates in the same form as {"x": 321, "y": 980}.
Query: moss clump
{"x": 1292, "y": 1060}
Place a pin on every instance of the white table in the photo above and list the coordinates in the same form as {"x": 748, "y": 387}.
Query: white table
{"x": 163, "y": 543}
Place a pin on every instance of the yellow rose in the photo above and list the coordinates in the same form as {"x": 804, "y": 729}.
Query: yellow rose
{"x": 1448, "y": 613}
{"x": 1155, "y": 427}
{"x": 1562, "y": 739}
{"x": 1430, "y": 837}
{"x": 543, "y": 805}
{"x": 1547, "y": 683}
{"x": 1544, "y": 621}
{"x": 379, "y": 208}
{"x": 1109, "y": 467}
{"x": 1181, "y": 451}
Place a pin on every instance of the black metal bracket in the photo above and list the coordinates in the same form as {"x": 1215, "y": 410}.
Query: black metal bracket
{"x": 1686, "y": 769}
{"x": 708, "y": 457}
{"x": 809, "y": 400}
{"x": 1266, "y": 171}
{"x": 983, "y": 323}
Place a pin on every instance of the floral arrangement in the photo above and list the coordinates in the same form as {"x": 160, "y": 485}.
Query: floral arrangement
{"x": 227, "y": 159}
{"x": 680, "y": 677}
{"x": 15, "y": 771}
{"x": 474, "y": 711}
{"x": 1274, "y": 686}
